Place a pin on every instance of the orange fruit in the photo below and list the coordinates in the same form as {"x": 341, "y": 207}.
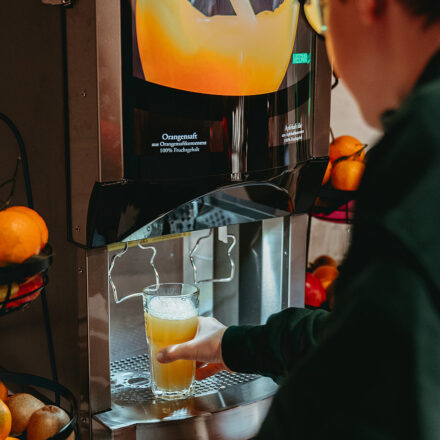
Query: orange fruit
{"x": 20, "y": 237}
{"x": 323, "y": 260}
{"x": 345, "y": 146}
{"x": 3, "y": 391}
{"x": 5, "y": 421}
{"x": 347, "y": 175}
{"x": 326, "y": 274}
{"x": 328, "y": 173}
{"x": 37, "y": 219}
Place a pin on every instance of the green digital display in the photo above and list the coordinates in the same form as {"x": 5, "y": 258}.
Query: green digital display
{"x": 301, "y": 58}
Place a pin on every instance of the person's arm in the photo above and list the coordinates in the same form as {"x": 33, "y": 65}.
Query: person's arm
{"x": 270, "y": 350}
{"x": 274, "y": 348}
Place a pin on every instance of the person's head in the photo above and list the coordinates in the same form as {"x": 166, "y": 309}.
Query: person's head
{"x": 380, "y": 47}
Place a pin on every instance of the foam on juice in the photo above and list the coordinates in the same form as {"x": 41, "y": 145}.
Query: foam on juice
{"x": 174, "y": 308}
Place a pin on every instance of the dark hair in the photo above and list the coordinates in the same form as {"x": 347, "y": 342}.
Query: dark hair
{"x": 428, "y": 9}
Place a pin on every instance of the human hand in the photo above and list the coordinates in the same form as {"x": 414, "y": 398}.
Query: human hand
{"x": 205, "y": 349}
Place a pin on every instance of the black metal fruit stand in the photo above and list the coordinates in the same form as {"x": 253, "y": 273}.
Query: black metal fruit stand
{"x": 16, "y": 274}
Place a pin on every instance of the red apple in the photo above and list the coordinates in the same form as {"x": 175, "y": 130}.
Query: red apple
{"x": 315, "y": 293}
{"x": 31, "y": 284}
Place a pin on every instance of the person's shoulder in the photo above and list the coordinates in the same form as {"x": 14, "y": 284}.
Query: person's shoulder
{"x": 421, "y": 112}
{"x": 412, "y": 132}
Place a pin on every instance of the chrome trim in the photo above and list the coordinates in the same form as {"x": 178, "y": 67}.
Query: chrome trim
{"x": 272, "y": 257}
{"x": 99, "y": 330}
{"x": 297, "y": 259}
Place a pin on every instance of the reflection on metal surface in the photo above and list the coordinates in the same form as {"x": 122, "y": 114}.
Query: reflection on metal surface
{"x": 233, "y": 205}
{"x": 109, "y": 60}
{"x": 97, "y": 339}
{"x": 218, "y": 406}
{"x": 298, "y": 257}
{"x": 272, "y": 267}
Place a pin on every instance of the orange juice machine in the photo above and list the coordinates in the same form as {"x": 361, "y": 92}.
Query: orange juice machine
{"x": 198, "y": 136}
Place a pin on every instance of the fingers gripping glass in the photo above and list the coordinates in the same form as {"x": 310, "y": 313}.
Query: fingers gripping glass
{"x": 315, "y": 13}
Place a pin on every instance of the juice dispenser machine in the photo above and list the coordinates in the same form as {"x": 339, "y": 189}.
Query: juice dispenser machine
{"x": 198, "y": 136}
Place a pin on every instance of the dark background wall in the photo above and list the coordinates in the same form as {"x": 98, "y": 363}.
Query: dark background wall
{"x": 31, "y": 95}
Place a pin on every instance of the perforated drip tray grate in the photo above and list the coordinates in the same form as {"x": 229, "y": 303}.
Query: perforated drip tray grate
{"x": 130, "y": 381}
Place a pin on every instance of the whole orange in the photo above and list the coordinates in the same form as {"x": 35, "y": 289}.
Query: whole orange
{"x": 20, "y": 237}
{"x": 323, "y": 260}
{"x": 326, "y": 274}
{"x": 5, "y": 421}
{"x": 345, "y": 146}
{"x": 3, "y": 391}
{"x": 37, "y": 219}
{"x": 328, "y": 173}
{"x": 347, "y": 175}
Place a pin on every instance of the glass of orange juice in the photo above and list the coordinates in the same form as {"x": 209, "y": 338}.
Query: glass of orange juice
{"x": 171, "y": 317}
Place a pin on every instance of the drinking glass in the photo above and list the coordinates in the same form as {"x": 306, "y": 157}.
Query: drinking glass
{"x": 171, "y": 317}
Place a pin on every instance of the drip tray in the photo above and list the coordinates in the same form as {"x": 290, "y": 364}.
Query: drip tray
{"x": 130, "y": 381}
{"x": 217, "y": 410}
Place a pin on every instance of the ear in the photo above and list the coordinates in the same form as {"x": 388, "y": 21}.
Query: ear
{"x": 370, "y": 10}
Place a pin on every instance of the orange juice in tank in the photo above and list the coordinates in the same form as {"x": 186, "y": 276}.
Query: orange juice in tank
{"x": 241, "y": 54}
{"x": 170, "y": 320}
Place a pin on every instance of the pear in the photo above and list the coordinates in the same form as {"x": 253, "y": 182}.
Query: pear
{"x": 22, "y": 406}
{"x": 46, "y": 422}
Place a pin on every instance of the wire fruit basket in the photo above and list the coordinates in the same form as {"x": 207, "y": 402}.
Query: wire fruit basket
{"x": 50, "y": 393}
{"x": 334, "y": 205}
{"x": 22, "y": 283}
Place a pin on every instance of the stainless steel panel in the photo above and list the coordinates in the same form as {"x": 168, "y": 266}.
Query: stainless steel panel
{"x": 98, "y": 324}
{"x": 250, "y": 275}
{"x": 226, "y": 295}
{"x": 94, "y": 102}
{"x": 298, "y": 258}
{"x": 109, "y": 56}
{"x": 83, "y": 111}
{"x": 204, "y": 259}
{"x": 272, "y": 265}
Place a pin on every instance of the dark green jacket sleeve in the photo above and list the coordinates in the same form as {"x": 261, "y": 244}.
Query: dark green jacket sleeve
{"x": 272, "y": 349}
